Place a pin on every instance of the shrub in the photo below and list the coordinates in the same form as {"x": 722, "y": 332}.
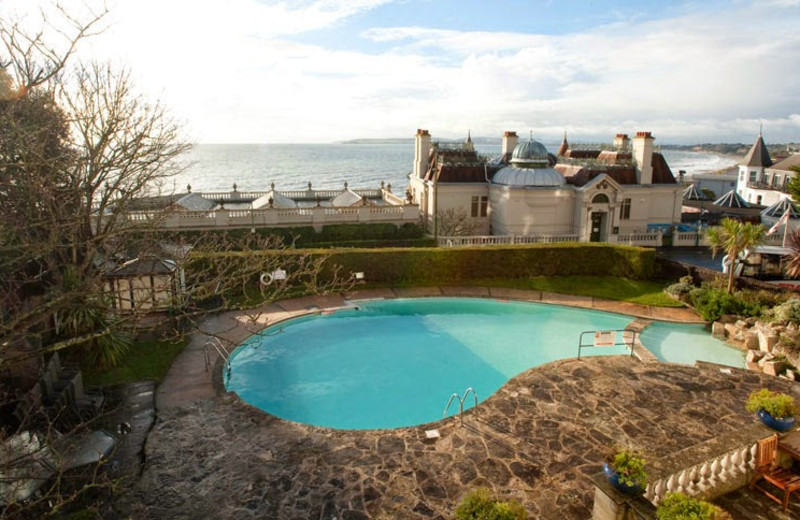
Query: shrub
{"x": 679, "y": 290}
{"x": 479, "y": 504}
{"x": 677, "y": 506}
{"x": 776, "y": 404}
{"x": 712, "y": 302}
{"x": 629, "y": 465}
{"x": 788, "y": 311}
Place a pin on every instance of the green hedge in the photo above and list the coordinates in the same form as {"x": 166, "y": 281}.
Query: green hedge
{"x": 437, "y": 265}
{"x": 461, "y": 265}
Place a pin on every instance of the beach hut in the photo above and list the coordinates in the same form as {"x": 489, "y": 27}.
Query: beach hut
{"x": 731, "y": 200}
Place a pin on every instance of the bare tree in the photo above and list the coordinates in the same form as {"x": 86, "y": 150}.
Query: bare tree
{"x": 456, "y": 222}
{"x": 79, "y": 147}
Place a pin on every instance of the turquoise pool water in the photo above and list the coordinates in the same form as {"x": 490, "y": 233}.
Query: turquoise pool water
{"x": 394, "y": 363}
{"x": 679, "y": 343}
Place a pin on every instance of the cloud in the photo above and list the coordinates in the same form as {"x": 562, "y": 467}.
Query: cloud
{"x": 238, "y": 72}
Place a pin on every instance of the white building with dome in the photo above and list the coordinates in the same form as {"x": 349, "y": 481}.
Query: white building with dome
{"x": 590, "y": 193}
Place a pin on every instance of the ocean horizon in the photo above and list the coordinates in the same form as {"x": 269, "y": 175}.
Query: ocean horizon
{"x": 254, "y": 167}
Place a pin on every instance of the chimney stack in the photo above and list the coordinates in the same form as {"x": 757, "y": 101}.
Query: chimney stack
{"x": 510, "y": 140}
{"x": 621, "y": 142}
{"x": 422, "y": 151}
{"x": 643, "y": 153}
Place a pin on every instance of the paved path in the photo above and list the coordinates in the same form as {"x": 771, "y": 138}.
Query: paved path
{"x": 537, "y": 440}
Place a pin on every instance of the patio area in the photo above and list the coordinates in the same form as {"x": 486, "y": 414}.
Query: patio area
{"x": 538, "y": 439}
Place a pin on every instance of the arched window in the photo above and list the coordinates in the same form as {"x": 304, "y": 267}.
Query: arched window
{"x": 600, "y": 198}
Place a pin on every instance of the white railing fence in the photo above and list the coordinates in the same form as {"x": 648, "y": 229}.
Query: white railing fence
{"x": 638, "y": 239}
{"x": 491, "y": 240}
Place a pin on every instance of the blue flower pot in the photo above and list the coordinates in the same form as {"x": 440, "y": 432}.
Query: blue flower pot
{"x": 782, "y": 425}
{"x": 613, "y": 479}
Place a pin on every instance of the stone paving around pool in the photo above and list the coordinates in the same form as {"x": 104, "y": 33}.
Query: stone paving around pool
{"x": 538, "y": 439}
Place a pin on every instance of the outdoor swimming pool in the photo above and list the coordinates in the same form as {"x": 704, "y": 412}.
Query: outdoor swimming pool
{"x": 393, "y": 363}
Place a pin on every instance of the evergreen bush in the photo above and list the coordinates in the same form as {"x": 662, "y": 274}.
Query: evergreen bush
{"x": 776, "y": 404}
{"x": 479, "y": 504}
{"x": 787, "y": 312}
{"x": 677, "y": 506}
{"x": 712, "y": 302}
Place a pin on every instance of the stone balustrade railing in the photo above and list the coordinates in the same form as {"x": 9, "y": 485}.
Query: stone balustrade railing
{"x": 706, "y": 471}
{"x": 277, "y": 217}
{"x": 689, "y": 239}
{"x": 309, "y": 194}
{"x": 638, "y": 239}
{"x": 708, "y": 479}
{"x": 488, "y": 240}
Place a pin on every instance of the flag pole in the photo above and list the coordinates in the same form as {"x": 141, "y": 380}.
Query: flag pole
{"x": 785, "y": 231}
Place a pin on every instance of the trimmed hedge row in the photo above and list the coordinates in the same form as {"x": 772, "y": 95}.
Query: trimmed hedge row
{"x": 436, "y": 265}
{"x": 460, "y": 265}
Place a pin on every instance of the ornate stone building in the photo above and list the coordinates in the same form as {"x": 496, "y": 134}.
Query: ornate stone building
{"x": 590, "y": 193}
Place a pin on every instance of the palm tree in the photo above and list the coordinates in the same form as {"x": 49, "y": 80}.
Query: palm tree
{"x": 733, "y": 237}
{"x": 793, "y": 265}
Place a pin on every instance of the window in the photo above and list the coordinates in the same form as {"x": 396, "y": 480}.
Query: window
{"x": 775, "y": 180}
{"x": 753, "y": 177}
{"x": 600, "y": 198}
{"x": 480, "y": 206}
{"x": 758, "y": 199}
{"x": 625, "y": 209}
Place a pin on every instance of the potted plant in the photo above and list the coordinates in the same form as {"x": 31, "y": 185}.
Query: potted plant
{"x": 677, "y": 506}
{"x": 775, "y": 409}
{"x": 626, "y": 471}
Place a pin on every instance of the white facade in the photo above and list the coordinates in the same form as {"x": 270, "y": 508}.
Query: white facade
{"x": 596, "y": 210}
{"x": 762, "y": 182}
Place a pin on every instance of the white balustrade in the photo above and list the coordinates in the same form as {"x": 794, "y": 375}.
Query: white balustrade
{"x": 706, "y": 478}
{"x": 638, "y": 239}
{"x": 484, "y": 240}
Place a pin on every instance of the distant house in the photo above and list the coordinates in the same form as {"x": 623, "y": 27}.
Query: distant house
{"x": 761, "y": 181}
{"x": 586, "y": 193}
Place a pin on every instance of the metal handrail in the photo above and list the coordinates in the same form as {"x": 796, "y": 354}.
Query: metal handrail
{"x": 464, "y": 398}
{"x": 215, "y": 342}
{"x": 461, "y": 400}
{"x": 631, "y": 344}
{"x": 449, "y": 402}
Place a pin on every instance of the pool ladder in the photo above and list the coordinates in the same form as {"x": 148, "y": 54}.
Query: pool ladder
{"x": 216, "y": 344}
{"x": 461, "y": 399}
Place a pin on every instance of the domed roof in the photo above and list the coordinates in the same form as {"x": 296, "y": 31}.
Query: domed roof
{"x": 530, "y": 152}
{"x": 528, "y": 177}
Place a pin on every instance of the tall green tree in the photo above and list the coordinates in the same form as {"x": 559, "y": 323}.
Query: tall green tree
{"x": 733, "y": 237}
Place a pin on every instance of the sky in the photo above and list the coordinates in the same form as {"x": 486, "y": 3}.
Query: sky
{"x": 261, "y": 71}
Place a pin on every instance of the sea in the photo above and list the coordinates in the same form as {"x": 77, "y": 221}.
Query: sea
{"x": 254, "y": 167}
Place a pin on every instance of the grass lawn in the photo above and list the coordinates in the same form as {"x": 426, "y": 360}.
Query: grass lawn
{"x": 145, "y": 360}
{"x": 609, "y": 288}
